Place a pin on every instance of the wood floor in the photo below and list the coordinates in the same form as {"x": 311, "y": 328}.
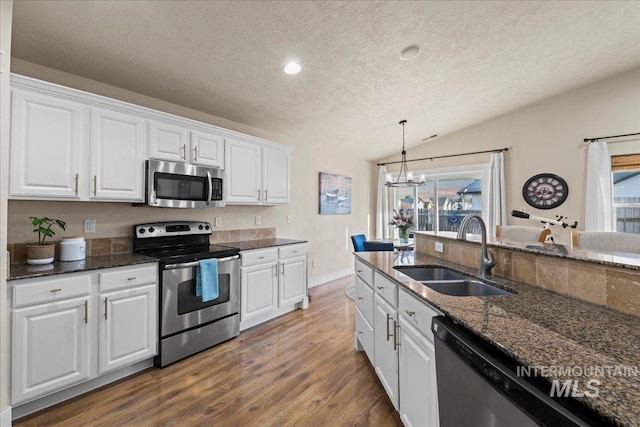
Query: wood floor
{"x": 298, "y": 370}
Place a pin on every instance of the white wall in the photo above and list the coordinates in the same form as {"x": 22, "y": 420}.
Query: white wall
{"x": 547, "y": 137}
{"x": 327, "y": 234}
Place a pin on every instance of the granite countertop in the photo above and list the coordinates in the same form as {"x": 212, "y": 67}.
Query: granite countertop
{"x": 262, "y": 243}
{"x": 613, "y": 259}
{"x": 539, "y": 328}
{"x": 25, "y": 271}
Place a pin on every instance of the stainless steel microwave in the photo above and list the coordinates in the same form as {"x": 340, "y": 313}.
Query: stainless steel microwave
{"x": 180, "y": 185}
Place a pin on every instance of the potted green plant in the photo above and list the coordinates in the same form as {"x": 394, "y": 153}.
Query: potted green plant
{"x": 43, "y": 253}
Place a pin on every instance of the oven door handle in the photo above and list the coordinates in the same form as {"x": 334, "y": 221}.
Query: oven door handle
{"x": 196, "y": 263}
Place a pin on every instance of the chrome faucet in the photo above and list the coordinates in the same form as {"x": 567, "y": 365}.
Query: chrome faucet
{"x": 486, "y": 263}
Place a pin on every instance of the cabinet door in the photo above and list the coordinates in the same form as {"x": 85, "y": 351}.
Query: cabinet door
{"x": 128, "y": 327}
{"x": 47, "y": 146}
{"x": 50, "y": 348}
{"x": 385, "y": 353}
{"x": 275, "y": 176}
{"x": 259, "y": 290}
{"x": 117, "y": 156}
{"x": 293, "y": 281}
{"x": 242, "y": 173}
{"x": 418, "y": 389}
{"x": 207, "y": 149}
{"x": 168, "y": 142}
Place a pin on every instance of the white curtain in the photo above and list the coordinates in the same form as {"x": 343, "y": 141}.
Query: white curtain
{"x": 599, "y": 199}
{"x": 382, "y": 206}
{"x": 496, "y": 197}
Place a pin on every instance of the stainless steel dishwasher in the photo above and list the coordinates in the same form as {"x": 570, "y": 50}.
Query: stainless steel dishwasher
{"x": 478, "y": 386}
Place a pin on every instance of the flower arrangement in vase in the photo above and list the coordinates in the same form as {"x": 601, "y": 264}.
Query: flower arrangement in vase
{"x": 403, "y": 222}
{"x": 43, "y": 253}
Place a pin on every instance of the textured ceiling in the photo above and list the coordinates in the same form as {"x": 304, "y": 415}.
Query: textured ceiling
{"x": 478, "y": 59}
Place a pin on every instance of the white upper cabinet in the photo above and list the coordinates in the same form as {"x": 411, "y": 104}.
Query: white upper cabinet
{"x": 256, "y": 174}
{"x": 207, "y": 149}
{"x": 275, "y": 176}
{"x": 48, "y": 135}
{"x": 242, "y": 175}
{"x": 116, "y": 139}
{"x": 167, "y": 142}
{"x": 179, "y": 144}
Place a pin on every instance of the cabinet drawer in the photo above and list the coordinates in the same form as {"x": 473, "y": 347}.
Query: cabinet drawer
{"x": 364, "y": 272}
{"x": 364, "y": 334}
{"x": 418, "y": 313}
{"x": 128, "y": 278}
{"x": 364, "y": 299}
{"x": 291, "y": 251}
{"x": 42, "y": 291}
{"x": 386, "y": 289}
{"x": 261, "y": 256}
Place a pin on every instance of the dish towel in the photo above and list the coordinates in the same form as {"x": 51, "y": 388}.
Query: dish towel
{"x": 207, "y": 280}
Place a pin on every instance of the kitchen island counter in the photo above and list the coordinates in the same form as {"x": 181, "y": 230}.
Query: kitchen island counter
{"x": 542, "y": 329}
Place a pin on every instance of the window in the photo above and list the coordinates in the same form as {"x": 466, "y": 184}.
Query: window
{"x": 626, "y": 192}
{"x": 447, "y": 197}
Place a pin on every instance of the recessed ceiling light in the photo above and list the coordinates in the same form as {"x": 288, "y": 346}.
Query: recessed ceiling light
{"x": 409, "y": 52}
{"x": 292, "y": 68}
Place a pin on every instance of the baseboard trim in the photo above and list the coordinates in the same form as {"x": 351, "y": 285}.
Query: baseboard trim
{"x": 319, "y": 280}
{"x": 5, "y": 417}
{"x": 53, "y": 399}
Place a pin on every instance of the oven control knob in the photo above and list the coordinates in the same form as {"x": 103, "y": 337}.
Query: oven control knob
{"x": 206, "y": 227}
{"x": 151, "y": 230}
{"x": 200, "y": 227}
{"x": 141, "y": 231}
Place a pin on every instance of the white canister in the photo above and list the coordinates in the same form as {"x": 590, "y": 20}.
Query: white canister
{"x": 72, "y": 249}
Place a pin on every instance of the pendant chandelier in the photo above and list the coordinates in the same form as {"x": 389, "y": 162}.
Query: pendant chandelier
{"x": 405, "y": 178}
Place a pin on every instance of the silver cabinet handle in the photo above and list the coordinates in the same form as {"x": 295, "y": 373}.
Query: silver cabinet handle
{"x": 275, "y": 270}
{"x": 265, "y": 195}
{"x": 358, "y": 271}
{"x": 360, "y": 298}
{"x": 282, "y": 267}
{"x": 258, "y": 196}
{"x": 184, "y": 151}
{"x": 131, "y": 278}
{"x": 410, "y": 313}
{"x": 195, "y": 157}
{"x": 359, "y": 332}
{"x": 380, "y": 287}
{"x": 77, "y": 176}
{"x": 396, "y": 329}
{"x": 388, "y": 332}
{"x": 86, "y": 312}
{"x": 95, "y": 185}
{"x": 55, "y": 290}
{"x": 105, "y": 309}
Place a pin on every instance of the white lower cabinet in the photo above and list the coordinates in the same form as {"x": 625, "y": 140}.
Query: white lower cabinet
{"x": 400, "y": 336}
{"x": 75, "y": 327}
{"x": 50, "y": 348}
{"x": 127, "y": 327}
{"x": 417, "y": 379}
{"x": 273, "y": 282}
{"x": 385, "y": 343}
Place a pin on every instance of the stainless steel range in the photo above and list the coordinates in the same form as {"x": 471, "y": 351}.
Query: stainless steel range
{"x": 187, "y": 324}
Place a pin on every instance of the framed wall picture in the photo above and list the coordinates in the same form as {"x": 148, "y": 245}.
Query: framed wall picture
{"x": 335, "y": 194}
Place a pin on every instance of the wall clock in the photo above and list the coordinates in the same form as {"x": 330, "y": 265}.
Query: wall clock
{"x": 545, "y": 191}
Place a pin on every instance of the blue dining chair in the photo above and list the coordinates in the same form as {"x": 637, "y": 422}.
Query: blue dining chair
{"x": 358, "y": 241}
{"x": 378, "y": 246}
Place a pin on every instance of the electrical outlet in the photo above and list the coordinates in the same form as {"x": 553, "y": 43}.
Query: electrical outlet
{"x": 258, "y": 220}
{"x": 314, "y": 262}
{"x": 439, "y": 247}
{"x": 89, "y": 225}
{"x": 288, "y": 219}
{"x": 218, "y": 222}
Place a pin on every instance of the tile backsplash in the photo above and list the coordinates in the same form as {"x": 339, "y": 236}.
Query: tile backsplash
{"x": 613, "y": 287}
{"x": 120, "y": 245}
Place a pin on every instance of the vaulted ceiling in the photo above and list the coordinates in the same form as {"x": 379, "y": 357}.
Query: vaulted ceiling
{"x": 478, "y": 59}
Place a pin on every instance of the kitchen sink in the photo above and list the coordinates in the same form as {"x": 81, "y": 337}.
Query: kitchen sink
{"x": 465, "y": 288}
{"x": 430, "y": 273}
{"x": 450, "y": 282}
